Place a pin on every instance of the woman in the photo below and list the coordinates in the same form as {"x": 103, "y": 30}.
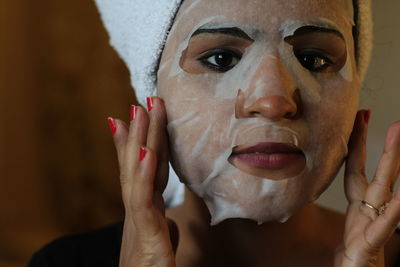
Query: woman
{"x": 260, "y": 100}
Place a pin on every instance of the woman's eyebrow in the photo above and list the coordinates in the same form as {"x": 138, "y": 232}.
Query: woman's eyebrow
{"x": 233, "y": 31}
{"x": 310, "y": 28}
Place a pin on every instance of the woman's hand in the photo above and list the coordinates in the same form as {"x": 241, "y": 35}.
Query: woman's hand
{"x": 149, "y": 238}
{"x": 370, "y": 223}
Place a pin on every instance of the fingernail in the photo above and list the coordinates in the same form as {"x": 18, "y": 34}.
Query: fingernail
{"x": 143, "y": 153}
{"x": 133, "y": 112}
{"x": 149, "y": 103}
{"x": 367, "y": 116}
{"x": 112, "y": 125}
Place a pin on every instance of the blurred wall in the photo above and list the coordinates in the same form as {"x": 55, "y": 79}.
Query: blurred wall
{"x": 59, "y": 80}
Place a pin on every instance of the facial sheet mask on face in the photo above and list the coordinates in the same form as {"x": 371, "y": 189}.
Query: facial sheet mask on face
{"x": 202, "y": 154}
{"x": 252, "y": 140}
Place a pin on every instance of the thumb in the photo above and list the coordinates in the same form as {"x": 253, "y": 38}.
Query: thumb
{"x": 355, "y": 181}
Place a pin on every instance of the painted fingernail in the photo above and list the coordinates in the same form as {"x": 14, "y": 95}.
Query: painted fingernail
{"x": 112, "y": 125}
{"x": 133, "y": 112}
{"x": 143, "y": 153}
{"x": 367, "y": 116}
{"x": 149, "y": 103}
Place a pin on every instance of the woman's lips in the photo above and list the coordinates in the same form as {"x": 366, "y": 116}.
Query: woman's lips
{"x": 268, "y": 158}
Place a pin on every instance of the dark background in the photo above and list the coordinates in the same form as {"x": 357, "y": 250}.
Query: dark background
{"x": 59, "y": 81}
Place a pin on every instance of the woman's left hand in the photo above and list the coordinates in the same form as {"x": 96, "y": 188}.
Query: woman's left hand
{"x": 373, "y": 212}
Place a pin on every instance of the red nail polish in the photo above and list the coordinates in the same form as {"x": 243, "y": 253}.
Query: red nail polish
{"x": 149, "y": 103}
{"x": 143, "y": 153}
{"x": 367, "y": 116}
{"x": 133, "y": 112}
{"x": 112, "y": 125}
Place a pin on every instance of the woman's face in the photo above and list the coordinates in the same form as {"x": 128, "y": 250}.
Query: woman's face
{"x": 261, "y": 97}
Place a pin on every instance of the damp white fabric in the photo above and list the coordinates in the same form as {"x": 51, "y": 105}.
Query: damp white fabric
{"x": 138, "y": 30}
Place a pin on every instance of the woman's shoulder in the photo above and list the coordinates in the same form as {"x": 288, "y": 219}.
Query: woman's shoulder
{"x": 100, "y": 247}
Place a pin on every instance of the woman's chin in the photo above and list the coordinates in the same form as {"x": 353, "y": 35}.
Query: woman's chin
{"x": 270, "y": 204}
{"x": 262, "y": 213}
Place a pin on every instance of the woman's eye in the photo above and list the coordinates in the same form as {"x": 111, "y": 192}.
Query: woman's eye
{"x": 221, "y": 60}
{"x": 314, "y": 62}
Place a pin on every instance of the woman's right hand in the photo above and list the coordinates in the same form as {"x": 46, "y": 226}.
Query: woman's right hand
{"x": 149, "y": 238}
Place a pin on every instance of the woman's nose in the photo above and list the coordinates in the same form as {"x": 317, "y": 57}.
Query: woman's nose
{"x": 273, "y": 107}
{"x": 276, "y": 98}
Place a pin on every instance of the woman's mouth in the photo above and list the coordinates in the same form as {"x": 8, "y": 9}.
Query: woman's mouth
{"x": 269, "y": 160}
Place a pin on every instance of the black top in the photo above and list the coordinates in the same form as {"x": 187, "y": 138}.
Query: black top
{"x": 96, "y": 248}
{"x": 93, "y": 249}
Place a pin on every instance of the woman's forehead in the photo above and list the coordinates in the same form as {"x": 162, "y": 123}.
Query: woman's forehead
{"x": 264, "y": 15}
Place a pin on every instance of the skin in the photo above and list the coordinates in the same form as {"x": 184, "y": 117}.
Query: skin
{"x": 150, "y": 239}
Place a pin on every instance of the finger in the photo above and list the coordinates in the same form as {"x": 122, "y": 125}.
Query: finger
{"x": 146, "y": 217}
{"x": 381, "y": 188}
{"x": 137, "y": 137}
{"x": 157, "y": 127}
{"x": 355, "y": 181}
{"x": 157, "y": 139}
{"x": 383, "y": 227}
{"x": 120, "y": 135}
{"x": 138, "y": 127}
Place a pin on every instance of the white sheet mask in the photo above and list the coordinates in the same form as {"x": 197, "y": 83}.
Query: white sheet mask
{"x": 202, "y": 110}
{"x": 290, "y": 26}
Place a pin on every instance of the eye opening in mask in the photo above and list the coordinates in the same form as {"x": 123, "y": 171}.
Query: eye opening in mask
{"x": 221, "y": 59}
{"x": 314, "y": 60}
{"x": 214, "y": 50}
{"x": 319, "y": 50}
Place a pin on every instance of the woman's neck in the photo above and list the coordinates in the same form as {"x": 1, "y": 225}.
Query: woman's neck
{"x": 241, "y": 239}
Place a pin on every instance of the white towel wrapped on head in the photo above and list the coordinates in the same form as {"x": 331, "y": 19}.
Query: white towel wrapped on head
{"x": 138, "y": 30}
